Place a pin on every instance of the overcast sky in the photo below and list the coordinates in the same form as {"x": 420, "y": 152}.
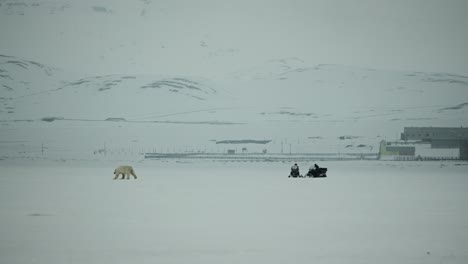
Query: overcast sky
{"x": 213, "y": 38}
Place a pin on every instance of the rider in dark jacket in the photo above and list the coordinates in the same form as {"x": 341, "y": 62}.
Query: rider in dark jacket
{"x": 295, "y": 170}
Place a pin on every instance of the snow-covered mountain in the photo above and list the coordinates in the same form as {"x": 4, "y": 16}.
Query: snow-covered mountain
{"x": 23, "y": 77}
{"x": 36, "y": 90}
{"x": 293, "y": 106}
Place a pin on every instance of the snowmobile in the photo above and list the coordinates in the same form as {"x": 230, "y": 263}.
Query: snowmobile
{"x": 295, "y": 174}
{"x": 317, "y": 173}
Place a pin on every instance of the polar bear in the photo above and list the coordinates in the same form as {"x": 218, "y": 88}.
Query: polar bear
{"x": 124, "y": 170}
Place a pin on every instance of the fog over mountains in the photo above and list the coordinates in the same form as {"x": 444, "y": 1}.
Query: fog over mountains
{"x": 167, "y": 76}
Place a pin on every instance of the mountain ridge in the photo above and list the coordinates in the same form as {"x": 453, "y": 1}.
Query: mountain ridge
{"x": 319, "y": 102}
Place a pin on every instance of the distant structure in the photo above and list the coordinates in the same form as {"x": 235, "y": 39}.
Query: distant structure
{"x": 396, "y": 151}
{"x": 231, "y": 151}
{"x": 440, "y": 137}
{"x": 427, "y": 143}
{"x": 115, "y": 119}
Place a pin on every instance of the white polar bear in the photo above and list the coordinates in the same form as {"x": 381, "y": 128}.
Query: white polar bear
{"x": 124, "y": 170}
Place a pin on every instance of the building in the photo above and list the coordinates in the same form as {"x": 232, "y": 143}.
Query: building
{"x": 231, "y": 151}
{"x": 464, "y": 150}
{"x": 440, "y": 138}
{"x": 396, "y": 151}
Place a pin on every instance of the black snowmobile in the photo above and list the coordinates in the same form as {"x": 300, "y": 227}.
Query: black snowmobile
{"x": 295, "y": 173}
{"x": 317, "y": 173}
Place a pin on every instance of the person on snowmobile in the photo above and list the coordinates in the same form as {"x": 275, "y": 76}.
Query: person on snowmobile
{"x": 311, "y": 168}
{"x": 295, "y": 167}
{"x": 295, "y": 170}
{"x": 311, "y": 171}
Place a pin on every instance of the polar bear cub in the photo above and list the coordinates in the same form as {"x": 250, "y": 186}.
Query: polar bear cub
{"x": 124, "y": 170}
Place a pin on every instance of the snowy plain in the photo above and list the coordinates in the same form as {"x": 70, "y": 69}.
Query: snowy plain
{"x": 233, "y": 212}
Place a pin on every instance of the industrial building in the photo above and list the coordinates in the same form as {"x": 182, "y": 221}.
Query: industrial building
{"x": 427, "y": 143}
{"x": 440, "y": 137}
{"x": 396, "y": 151}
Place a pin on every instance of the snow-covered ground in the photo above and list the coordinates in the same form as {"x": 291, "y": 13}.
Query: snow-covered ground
{"x": 214, "y": 212}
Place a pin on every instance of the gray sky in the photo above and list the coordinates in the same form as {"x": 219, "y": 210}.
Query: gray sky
{"x": 212, "y": 38}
